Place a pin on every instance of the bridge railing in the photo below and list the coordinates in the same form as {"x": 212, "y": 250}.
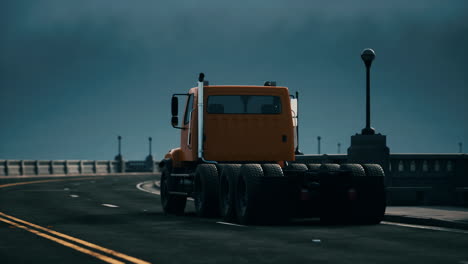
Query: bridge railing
{"x": 71, "y": 167}
{"x": 418, "y": 178}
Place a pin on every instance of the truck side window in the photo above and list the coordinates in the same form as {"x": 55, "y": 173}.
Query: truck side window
{"x": 188, "y": 109}
{"x": 244, "y": 104}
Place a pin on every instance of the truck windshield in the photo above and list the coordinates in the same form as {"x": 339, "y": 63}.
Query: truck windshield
{"x": 244, "y": 104}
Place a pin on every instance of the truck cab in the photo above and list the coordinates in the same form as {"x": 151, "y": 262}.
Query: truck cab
{"x": 241, "y": 123}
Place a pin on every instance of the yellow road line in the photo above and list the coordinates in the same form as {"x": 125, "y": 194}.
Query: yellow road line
{"x": 77, "y": 240}
{"x": 41, "y": 181}
{"x": 65, "y": 243}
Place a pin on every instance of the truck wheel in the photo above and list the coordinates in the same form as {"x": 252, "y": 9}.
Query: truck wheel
{"x": 227, "y": 183}
{"x": 276, "y": 196}
{"x": 329, "y": 167}
{"x": 295, "y": 167}
{"x": 172, "y": 204}
{"x": 261, "y": 196}
{"x": 248, "y": 193}
{"x": 205, "y": 191}
{"x": 374, "y": 204}
{"x": 355, "y": 169}
{"x": 352, "y": 204}
{"x": 334, "y": 208}
{"x": 272, "y": 170}
{"x": 313, "y": 166}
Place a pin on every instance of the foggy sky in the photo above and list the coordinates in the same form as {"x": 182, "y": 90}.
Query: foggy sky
{"x": 75, "y": 74}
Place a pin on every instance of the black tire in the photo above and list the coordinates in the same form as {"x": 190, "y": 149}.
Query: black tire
{"x": 355, "y": 169}
{"x": 313, "y": 166}
{"x": 205, "y": 191}
{"x": 277, "y": 193}
{"x": 352, "y": 205}
{"x": 227, "y": 191}
{"x": 334, "y": 207}
{"x": 261, "y": 197}
{"x": 272, "y": 170}
{"x": 172, "y": 204}
{"x": 329, "y": 167}
{"x": 296, "y": 167}
{"x": 374, "y": 203}
{"x": 248, "y": 194}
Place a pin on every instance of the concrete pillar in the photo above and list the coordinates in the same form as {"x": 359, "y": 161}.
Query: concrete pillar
{"x": 95, "y": 169}
{"x": 121, "y": 161}
{"x": 51, "y": 167}
{"x": 80, "y": 168}
{"x": 123, "y": 166}
{"x": 370, "y": 149}
{"x": 36, "y": 167}
{"x": 7, "y": 169}
{"x": 21, "y": 168}
{"x": 67, "y": 170}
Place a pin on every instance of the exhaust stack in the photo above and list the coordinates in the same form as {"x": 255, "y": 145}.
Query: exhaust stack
{"x": 201, "y": 83}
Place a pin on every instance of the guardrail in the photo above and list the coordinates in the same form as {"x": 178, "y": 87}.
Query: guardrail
{"x": 54, "y": 167}
{"x": 411, "y": 178}
{"x": 418, "y": 178}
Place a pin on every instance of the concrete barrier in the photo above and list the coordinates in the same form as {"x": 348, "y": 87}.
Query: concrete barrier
{"x": 59, "y": 167}
{"x": 418, "y": 179}
{"x": 423, "y": 179}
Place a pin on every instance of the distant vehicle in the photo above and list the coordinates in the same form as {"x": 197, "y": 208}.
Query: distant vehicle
{"x": 237, "y": 160}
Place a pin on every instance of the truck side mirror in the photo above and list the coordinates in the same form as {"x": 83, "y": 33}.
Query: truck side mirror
{"x": 174, "y": 108}
{"x": 175, "y": 121}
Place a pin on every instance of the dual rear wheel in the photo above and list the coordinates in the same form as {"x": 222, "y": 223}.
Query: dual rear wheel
{"x": 257, "y": 193}
{"x": 249, "y": 193}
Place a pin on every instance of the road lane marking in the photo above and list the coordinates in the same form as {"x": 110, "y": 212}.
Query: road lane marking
{"x": 77, "y": 240}
{"x": 74, "y": 196}
{"x": 65, "y": 243}
{"x": 435, "y": 228}
{"x": 231, "y": 224}
{"x": 40, "y": 181}
{"x": 157, "y": 192}
{"x": 110, "y": 205}
{"x": 140, "y": 187}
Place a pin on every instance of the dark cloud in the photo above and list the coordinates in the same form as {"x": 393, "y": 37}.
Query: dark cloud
{"x": 74, "y": 74}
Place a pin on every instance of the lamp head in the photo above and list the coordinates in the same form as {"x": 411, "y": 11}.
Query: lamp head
{"x": 368, "y": 55}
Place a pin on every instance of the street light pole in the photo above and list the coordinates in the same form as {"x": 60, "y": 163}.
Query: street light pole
{"x": 339, "y": 148}
{"x": 150, "y": 147}
{"x": 318, "y": 139}
{"x": 119, "y": 138}
{"x": 368, "y": 55}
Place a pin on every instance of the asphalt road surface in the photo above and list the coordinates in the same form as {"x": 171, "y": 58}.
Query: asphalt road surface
{"x": 108, "y": 219}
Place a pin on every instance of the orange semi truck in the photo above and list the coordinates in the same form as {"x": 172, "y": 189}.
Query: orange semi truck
{"x": 237, "y": 160}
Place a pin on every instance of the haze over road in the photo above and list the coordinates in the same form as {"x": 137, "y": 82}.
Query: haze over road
{"x": 126, "y": 224}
